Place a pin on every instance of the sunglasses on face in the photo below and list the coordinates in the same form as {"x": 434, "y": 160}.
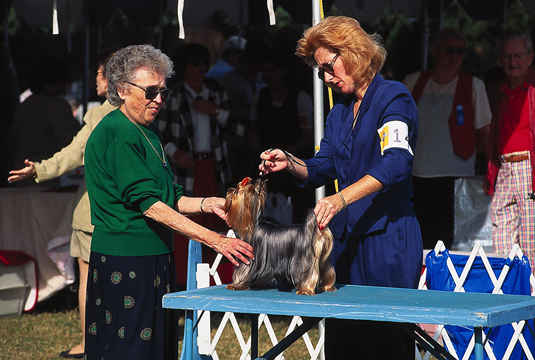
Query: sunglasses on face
{"x": 450, "y": 50}
{"x": 151, "y": 92}
{"x": 197, "y": 60}
{"x": 327, "y": 68}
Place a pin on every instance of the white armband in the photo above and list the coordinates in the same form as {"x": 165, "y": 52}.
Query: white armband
{"x": 394, "y": 134}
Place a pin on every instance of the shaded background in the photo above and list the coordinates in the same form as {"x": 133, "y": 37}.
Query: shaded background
{"x": 27, "y": 27}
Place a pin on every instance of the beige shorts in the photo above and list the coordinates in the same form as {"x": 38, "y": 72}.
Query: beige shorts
{"x": 81, "y": 244}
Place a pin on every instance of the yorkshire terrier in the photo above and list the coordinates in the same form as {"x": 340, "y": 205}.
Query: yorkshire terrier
{"x": 297, "y": 255}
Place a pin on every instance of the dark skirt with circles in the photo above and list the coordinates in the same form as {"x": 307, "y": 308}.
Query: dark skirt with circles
{"x": 124, "y": 314}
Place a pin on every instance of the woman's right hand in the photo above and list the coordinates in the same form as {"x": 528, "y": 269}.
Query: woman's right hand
{"x": 233, "y": 249}
{"x": 24, "y": 173}
{"x": 273, "y": 161}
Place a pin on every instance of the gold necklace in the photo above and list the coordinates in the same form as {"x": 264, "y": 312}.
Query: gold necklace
{"x": 164, "y": 162}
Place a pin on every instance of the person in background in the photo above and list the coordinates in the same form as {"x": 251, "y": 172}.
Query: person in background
{"x": 69, "y": 158}
{"x": 511, "y": 156}
{"x": 43, "y": 124}
{"x": 192, "y": 124}
{"x": 454, "y": 115}
{"x": 135, "y": 208}
{"x": 241, "y": 85}
{"x": 231, "y": 58}
{"x": 370, "y": 136}
{"x": 281, "y": 117}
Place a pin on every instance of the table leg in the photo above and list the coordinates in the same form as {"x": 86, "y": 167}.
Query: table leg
{"x": 308, "y": 324}
{"x": 426, "y": 341}
{"x": 188, "y": 336}
{"x": 254, "y": 335}
{"x": 478, "y": 332}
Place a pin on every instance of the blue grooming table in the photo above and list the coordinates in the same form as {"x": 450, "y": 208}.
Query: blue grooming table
{"x": 407, "y": 306}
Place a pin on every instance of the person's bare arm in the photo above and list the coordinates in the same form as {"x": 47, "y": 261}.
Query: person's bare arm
{"x": 24, "y": 173}
{"x": 329, "y": 206}
{"x": 231, "y": 248}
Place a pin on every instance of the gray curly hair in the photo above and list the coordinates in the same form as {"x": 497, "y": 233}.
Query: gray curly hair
{"x": 511, "y": 35}
{"x": 125, "y": 62}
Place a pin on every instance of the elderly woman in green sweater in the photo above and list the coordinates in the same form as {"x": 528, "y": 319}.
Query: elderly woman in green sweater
{"x": 135, "y": 208}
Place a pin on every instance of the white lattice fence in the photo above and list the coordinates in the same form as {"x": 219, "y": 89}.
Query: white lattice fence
{"x": 440, "y": 334}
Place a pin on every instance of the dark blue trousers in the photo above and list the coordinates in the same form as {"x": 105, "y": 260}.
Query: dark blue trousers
{"x": 389, "y": 258}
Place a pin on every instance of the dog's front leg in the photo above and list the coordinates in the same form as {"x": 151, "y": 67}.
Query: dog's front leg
{"x": 308, "y": 284}
{"x": 328, "y": 277}
{"x": 240, "y": 278}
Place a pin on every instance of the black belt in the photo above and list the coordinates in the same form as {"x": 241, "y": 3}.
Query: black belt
{"x": 204, "y": 155}
{"x": 515, "y": 158}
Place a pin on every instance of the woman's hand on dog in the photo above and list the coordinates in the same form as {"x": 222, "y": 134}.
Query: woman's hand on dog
{"x": 217, "y": 206}
{"x": 326, "y": 208}
{"x": 232, "y": 249}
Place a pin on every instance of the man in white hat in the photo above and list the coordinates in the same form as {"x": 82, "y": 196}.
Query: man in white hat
{"x": 231, "y": 58}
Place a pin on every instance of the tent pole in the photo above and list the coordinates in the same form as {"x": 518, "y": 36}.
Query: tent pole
{"x": 318, "y": 97}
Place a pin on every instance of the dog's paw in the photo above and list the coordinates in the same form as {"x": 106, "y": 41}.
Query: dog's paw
{"x": 331, "y": 288}
{"x": 305, "y": 292}
{"x": 237, "y": 287}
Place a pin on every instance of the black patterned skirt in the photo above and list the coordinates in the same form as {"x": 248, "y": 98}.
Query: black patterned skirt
{"x": 124, "y": 314}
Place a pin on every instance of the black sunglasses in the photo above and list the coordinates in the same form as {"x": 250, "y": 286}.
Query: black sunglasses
{"x": 197, "y": 60}
{"x": 327, "y": 68}
{"x": 461, "y": 50}
{"x": 151, "y": 92}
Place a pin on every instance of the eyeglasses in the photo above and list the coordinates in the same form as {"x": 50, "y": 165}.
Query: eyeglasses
{"x": 450, "y": 50}
{"x": 197, "y": 60}
{"x": 508, "y": 57}
{"x": 327, "y": 68}
{"x": 151, "y": 92}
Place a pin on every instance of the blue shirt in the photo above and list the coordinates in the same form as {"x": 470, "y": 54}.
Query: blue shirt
{"x": 349, "y": 154}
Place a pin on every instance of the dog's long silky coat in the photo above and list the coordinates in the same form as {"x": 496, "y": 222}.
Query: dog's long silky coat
{"x": 296, "y": 255}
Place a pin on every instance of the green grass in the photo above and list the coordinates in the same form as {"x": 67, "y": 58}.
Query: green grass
{"x": 38, "y": 336}
{"x": 44, "y": 335}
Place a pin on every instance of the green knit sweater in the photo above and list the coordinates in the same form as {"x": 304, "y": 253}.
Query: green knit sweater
{"x": 124, "y": 178}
